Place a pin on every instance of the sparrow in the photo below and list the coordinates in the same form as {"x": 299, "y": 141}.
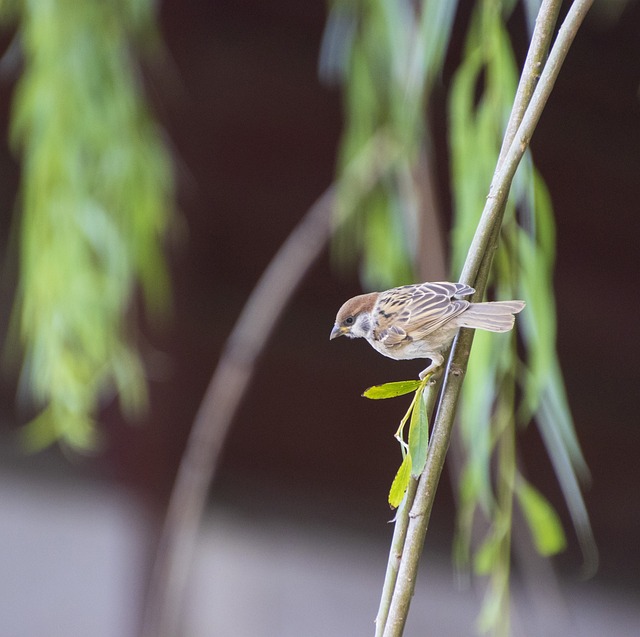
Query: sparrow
{"x": 420, "y": 320}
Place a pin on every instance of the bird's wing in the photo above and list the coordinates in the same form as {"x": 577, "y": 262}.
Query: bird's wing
{"x": 412, "y": 312}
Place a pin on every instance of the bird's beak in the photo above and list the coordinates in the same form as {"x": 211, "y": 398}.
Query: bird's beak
{"x": 337, "y": 331}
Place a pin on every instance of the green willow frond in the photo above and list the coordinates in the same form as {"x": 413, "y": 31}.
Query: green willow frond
{"x": 481, "y": 97}
{"x": 388, "y": 55}
{"x": 95, "y": 202}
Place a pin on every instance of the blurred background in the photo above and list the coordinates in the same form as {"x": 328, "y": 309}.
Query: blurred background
{"x": 296, "y": 536}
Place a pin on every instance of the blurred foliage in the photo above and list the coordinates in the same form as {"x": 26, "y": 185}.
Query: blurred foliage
{"x": 94, "y": 205}
{"x": 375, "y": 47}
{"x": 480, "y": 100}
{"x": 387, "y": 57}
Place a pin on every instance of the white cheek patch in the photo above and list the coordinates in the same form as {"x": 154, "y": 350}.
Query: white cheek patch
{"x": 362, "y": 327}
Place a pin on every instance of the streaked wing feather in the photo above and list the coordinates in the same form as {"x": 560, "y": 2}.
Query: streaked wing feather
{"x": 424, "y": 324}
{"x": 392, "y": 336}
{"x": 414, "y": 311}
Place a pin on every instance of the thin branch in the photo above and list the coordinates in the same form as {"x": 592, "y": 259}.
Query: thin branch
{"x": 401, "y": 524}
{"x": 213, "y": 420}
{"x": 491, "y": 217}
{"x": 164, "y": 606}
{"x": 533, "y": 64}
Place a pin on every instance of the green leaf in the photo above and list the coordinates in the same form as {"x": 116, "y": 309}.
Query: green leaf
{"x": 400, "y": 482}
{"x": 492, "y": 615}
{"x": 479, "y": 395}
{"x": 546, "y": 529}
{"x": 418, "y": 435}
{"x": 487, "y": 554}
{"x": 391, "y": 390}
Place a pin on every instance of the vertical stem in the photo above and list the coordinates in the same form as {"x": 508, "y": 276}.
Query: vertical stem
{"x": 421, "y": 510}
{"x": 395, "y": 553}
{"x": 533, "y": 64}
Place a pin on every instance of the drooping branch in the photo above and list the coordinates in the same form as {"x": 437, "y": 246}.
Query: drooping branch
{"x": 231, "y": 379}
{"x": 213, "y": 420}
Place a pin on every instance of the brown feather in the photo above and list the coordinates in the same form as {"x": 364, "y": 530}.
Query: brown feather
{"x": 356, "y": 305}
{"x": 414, "y": 311}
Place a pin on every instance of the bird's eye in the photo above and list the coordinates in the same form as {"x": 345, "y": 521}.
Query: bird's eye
{"x": 348, "y": 320}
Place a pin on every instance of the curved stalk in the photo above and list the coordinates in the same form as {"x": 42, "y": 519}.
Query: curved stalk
{"x": 199, "y": 462}
{"x": 213, "y": 420}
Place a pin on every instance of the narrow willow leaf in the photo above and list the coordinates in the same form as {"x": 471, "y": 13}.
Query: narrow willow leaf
{"x": 418, "y": 435}
{"x": 476, "y": 413}
{"x": 391, "y": 390}
{"x": 385, "y": 259}
{"x": 568, "y": 480}
{"x": 492, "y": 613}
{"x": 487, "y": 555}
{"x": 546, "y": 529}
{"x": 555, "y": 399}
{"x": 400, "y": 482}
{"x": 435, "y": 29}
{"x": 54, "y": 424}
{"x": 39, "y": 433}
{"x": 128, "y": 375}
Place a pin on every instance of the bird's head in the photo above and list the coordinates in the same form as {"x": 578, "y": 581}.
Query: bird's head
{"x": 354, "y": 317}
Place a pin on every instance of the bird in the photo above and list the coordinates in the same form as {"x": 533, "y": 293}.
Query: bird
{"x": 420, "y": 320}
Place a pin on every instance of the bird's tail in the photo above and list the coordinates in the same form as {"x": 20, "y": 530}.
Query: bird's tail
{"x": 495, "y": 316}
